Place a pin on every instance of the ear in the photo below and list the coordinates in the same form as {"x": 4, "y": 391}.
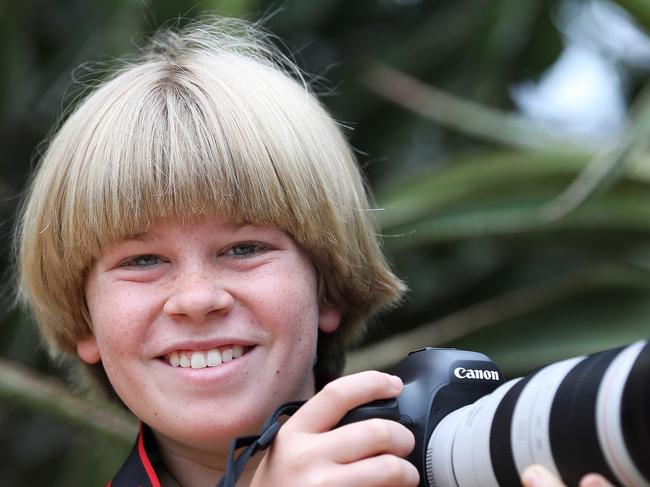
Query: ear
{"x": 88, "y": 350}
{"x": 329, "y": 319}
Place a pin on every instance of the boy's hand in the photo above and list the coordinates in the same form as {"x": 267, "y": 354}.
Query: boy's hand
{"x": 307, "y": 452}
{"x": 538, "y": 476}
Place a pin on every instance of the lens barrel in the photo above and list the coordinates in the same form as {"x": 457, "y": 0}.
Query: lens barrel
{"x": 586, "y": 414}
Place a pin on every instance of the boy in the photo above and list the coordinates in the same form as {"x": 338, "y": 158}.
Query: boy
{"x": 198, "y": 234}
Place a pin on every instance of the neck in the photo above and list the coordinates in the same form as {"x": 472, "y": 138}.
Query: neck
{"x": 191, "y": 467}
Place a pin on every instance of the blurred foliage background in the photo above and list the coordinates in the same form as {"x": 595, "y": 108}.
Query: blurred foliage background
{"x": 506, "y": 143}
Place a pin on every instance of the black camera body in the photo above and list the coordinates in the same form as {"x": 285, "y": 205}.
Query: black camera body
{"x": 437, "y": 381}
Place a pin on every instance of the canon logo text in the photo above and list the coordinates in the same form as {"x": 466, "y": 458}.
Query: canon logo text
{"x": 463, "y": 373}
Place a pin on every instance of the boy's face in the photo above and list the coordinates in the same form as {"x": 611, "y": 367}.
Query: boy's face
{"x": 195, "y": 294}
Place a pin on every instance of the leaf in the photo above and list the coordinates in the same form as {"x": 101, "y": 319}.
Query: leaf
{"x": 468, "y": 117}
{"x": 25, "y": 386}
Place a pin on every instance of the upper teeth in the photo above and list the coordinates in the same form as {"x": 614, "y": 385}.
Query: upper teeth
{"x": 204, "y": 358}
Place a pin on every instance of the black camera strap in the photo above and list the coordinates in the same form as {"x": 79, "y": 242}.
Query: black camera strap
{"x": 254, "y": 444}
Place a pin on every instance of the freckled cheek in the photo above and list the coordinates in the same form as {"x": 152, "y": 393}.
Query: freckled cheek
{"x": 297, "y": 329}
{"x": 119, "y": 317}
{"x": 291, "y": 301}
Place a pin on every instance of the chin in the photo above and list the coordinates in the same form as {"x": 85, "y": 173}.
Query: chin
{"x": 217, "y": 431}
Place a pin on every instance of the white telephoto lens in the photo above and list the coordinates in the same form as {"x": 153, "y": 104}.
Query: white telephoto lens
{"x": 608, "y": 418}
{"x": 458, "y": 453}
{"x": 472, "y": 459}
{"x": 440, "y": 466}
{"x": 530, "y": 435}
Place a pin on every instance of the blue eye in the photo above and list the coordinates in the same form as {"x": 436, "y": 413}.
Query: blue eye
{"x": 143, "y": 261}
{"x": 244, "y": 249}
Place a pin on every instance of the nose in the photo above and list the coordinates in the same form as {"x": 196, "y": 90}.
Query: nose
{"x": 197, "y": 297}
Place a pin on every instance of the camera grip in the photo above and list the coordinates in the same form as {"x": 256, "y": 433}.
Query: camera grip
{"x": 383, "y": 409}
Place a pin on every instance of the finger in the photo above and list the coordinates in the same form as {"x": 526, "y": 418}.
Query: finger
{"x": 538, "y": 476}
{"x": 326, "y": 409}
{"x": 365, "y": 439}
{"x": 379, "y": 471}
{"x": 594, "y": 480}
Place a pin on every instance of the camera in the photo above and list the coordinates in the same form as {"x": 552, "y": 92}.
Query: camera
{"x": 474, "y": 429}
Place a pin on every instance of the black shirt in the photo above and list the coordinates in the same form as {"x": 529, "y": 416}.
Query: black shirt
{"x": 144, "y": 467}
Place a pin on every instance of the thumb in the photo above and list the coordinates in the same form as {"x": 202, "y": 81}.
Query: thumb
{"x": 538, "y": 476}
{"x": 594, "y": 480}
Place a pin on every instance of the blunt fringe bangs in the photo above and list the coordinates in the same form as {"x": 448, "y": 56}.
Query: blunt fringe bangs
{"x": 210, "y": 121}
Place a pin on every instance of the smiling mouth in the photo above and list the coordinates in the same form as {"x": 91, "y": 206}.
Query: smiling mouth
{"x": 200, "y": 359}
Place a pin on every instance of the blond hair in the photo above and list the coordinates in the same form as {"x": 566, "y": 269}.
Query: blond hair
{"x": 212, "y": 120}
